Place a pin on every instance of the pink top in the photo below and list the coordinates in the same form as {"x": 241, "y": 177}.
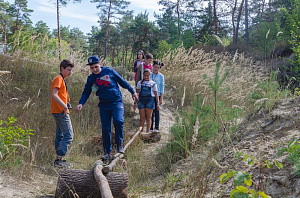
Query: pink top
{"x": 148, "y": 66}
{"x": 145, "y": 67}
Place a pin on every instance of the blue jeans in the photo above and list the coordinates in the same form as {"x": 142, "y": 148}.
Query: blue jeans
{"x": 118, "y": 119}
{"x": 64, "y": 133}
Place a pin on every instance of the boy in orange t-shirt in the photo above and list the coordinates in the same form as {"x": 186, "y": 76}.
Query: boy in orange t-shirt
{"x": 60, "y": 110}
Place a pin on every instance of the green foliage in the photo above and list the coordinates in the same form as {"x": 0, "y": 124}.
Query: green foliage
{"x": 163, "y": 47}
{"x": 291, "y": 21}
{"x": 74, "y": 37}
{"x": 208, "y": 129}
{"x": 215, "y": 84}
{"x": 12, "y": 137}
{"x": 293, "y": 149}
{"x": 188, "y": 39}
{"x": 243, "y": 181}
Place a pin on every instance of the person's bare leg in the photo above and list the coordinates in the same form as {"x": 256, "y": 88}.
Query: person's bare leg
{"x": 148, "y": 118}
{"x": 142, "y": 118}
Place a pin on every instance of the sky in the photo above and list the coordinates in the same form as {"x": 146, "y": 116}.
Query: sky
{"x": 82, "y": 15}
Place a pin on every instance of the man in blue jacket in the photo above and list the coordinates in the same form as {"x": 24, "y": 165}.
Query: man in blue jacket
{"x": 105, "y": 82}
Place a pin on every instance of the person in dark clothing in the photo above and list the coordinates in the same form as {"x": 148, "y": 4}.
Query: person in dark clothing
{"x": 105, "y": 82}
{"x": 138, "y": 62}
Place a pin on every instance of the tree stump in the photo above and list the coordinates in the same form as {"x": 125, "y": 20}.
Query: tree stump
{"x": 81, "y": 183}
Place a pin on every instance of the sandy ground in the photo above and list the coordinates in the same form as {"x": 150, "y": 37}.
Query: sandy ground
{"x": 10, "y": 186}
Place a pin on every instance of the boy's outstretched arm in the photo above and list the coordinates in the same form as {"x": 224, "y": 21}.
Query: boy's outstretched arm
{"x": 123, "y": 83}
{"x": 85, "y": 95}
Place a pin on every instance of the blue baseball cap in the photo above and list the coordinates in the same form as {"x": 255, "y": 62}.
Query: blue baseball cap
{"x": 93, "y": 60}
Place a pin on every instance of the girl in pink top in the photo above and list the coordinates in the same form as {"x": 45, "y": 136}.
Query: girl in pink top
{"x": 146, "y": 65}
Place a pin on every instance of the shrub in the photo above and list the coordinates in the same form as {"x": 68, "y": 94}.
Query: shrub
{"x": 12, "y": 137}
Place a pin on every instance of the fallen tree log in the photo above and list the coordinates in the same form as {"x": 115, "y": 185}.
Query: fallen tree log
{"x": 81, "y": 183}
{"x": 102, "y": 181}
{"x": 92, "y": 183}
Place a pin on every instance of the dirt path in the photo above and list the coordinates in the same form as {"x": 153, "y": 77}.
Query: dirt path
{"x": 10, "y": 186}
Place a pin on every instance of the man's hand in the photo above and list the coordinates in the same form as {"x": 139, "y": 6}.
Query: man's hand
{"x": 78, "y": 108}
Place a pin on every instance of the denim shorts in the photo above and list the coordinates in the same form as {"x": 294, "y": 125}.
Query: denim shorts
{"x": 146, "y": 102}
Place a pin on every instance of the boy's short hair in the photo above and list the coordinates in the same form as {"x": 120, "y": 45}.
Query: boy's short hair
{"x": 66, "y": 63}
{"x": 149, "y": 56}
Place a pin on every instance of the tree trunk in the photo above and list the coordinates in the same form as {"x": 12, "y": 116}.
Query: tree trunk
{"x": 178, "y": 17}
{"x": 215, "y": 17}
{"x": 98, "y": 49}
{"x": 107, "y": 27}
{"x": 58, "y": 30}
{"x": 17, "y": 20}
{"x": 81, "y": 183}
{"x": 113, "y": 57}
{"x": 246, "y": 23}
{"x": 238, "y": 22}
{"x": 232, "y": 18}
{"x": 5, "y": 39}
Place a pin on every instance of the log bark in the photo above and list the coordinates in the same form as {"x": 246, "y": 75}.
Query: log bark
{"x": 81, "y": 183}
{"x": 102, "y": 182}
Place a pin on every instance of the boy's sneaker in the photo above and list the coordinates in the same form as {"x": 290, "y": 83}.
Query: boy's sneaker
{"x": 120, "y": 148}
{"x": 151, "y": 131}
{"x": 156, "y": 130}
{"x": 61, "y": 163}
{"x": 107, "y": 156}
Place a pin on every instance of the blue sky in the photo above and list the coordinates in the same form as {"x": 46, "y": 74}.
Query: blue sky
{"x": 82, "y": 15}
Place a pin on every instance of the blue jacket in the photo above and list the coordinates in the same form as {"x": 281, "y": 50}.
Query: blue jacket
{"x": 106, "y": 84}
{"x": 160, "y": 81}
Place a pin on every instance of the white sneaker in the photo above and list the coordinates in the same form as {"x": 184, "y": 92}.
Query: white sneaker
{"x": 151, "y": 131}
{"x": 156, "y": 130}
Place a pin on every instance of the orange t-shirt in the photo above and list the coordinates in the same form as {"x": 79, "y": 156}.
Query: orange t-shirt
{"x": 58, "y": 82}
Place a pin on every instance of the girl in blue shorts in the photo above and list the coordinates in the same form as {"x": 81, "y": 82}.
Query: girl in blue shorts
{"x": 147, "y": 90}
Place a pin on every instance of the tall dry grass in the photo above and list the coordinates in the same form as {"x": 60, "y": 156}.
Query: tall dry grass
{"x": 185, "y": 68}
{"x": 25, "y": 82}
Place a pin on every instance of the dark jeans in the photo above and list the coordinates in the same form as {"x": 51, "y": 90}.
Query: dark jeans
{"x": 118, "y": 120}
{"x": 155, "y": 117}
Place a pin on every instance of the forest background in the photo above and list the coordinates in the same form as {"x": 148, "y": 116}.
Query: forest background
{"x": 191, "y": 37}
{"x": 119, "y": 34}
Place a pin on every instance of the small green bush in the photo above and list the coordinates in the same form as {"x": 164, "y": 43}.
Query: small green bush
{"x": 293, "y": 149}
{"x": 12, "y": 137}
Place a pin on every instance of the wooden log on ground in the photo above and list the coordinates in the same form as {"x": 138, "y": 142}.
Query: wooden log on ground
{"x": 102, "y": 182}
{"x": 113, "y": 163}
{"x": 81, "y": 183}
{"x": 119, "y": 156}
